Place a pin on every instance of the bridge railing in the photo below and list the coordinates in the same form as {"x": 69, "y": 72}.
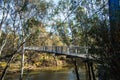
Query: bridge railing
{"x": 60, "y": 49}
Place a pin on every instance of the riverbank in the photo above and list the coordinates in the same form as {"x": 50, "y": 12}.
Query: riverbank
{"x": 35, "y": 64}
{"x": 35, "y": 69}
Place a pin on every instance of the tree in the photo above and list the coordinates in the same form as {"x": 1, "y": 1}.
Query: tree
{"x": 15, "y": 14}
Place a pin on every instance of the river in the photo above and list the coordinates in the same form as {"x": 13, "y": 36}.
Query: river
{"x": 49, "y": 75}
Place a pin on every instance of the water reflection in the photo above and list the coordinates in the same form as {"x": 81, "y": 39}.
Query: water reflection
{"x": 49, "y": 75}
{"x": 52, "y": 76}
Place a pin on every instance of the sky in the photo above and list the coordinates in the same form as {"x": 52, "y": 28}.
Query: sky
{"x": 56, "y": 1}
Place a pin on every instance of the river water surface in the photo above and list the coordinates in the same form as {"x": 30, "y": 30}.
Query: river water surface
{"x": 49, "y": 75}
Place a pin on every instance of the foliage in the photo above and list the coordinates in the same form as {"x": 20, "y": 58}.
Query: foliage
{"x": 69, "y": 23}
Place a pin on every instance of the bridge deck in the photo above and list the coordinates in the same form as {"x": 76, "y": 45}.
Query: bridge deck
{"x": 74, "y": 51}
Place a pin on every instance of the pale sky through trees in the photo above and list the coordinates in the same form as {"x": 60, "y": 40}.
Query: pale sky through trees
{"x": 56, "y": 1}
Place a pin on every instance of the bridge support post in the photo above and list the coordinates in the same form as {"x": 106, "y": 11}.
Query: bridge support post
{"x": 55, "y": 49}
{"x": 76, "y": 50}
{"x": 68, "y": 50}
{"x": 76, "y": 69}
{"x": 90, "y": 71}
{"x": 60, "y": 49}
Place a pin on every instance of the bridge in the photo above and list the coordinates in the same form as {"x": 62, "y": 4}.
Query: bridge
{"x": 71, "y": 51}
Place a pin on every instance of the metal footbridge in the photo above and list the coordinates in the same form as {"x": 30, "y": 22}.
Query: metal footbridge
{"x": 71, "y": 51}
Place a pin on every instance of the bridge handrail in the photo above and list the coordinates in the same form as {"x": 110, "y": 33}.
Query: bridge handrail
{"x": 60, "y": 49}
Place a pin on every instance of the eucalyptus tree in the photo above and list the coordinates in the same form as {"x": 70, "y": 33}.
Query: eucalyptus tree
{"x": 100, "y": 38}
{"x": 60, "y": 20}
{"x": 114, "y": 50}
{"x": 4, "y": 10}
{"x": 20, "y": 17}
{"x": 85, "y": 22}
{"x": 17, "y": 18}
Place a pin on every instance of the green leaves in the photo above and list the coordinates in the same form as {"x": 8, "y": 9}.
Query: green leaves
{"x": 32, "y": 22}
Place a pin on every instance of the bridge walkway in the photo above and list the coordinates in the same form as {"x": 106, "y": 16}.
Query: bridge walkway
{"x": 72, "y": 51}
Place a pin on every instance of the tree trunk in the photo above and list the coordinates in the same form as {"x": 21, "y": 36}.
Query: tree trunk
{"x": 92, "y": 71}
{"x": 76, "y": 68}
{"x": 7, "y": 66}
{"x": 22, "y": 66}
